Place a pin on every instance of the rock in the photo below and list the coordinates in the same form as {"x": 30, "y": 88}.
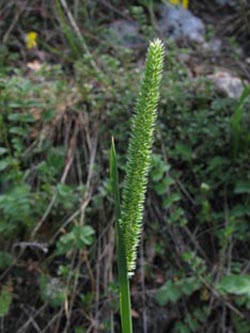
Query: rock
{"x": 226, "y": 84}
{"x": 179, "y": 23}
{"x": 225, "y": 2}
{"x": 126, "y": 33}
{"x": 213, "y": 46}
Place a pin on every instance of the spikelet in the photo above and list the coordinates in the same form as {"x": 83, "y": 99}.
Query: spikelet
{"x": 139, "y": 152}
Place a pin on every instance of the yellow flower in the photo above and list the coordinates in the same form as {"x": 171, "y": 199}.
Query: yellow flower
{"x": 31, "y": 38}
{"x": 185, "y": 4}
{"x": 174, "y": 2}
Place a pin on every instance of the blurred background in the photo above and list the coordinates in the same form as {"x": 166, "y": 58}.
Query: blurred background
{"x": 69, "y": 76}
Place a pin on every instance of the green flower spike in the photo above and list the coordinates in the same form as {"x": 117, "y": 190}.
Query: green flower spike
{"x": 139, "y": 152}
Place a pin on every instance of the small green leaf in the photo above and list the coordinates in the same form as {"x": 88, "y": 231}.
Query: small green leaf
{"x": 242, "y": 187}
{"x": 64, "y": 190}
{"x": 4, "y": 164}
{"x": 5, "y": 259}
{"x": 173, "y": 291}
{"x": 181, "y": 328}
{"x": 189, "y": 285}
{"x": 3, "y": 151}
{"x": 18, "y": 131}
{"x": 162, "y": 187}
{"x": 159, "y": 167}
{"x": 215, "y": 163}
{"x": 79, "y": 330}
{"x": 53, "y": 290}
{"x": 168, "y": 293}
{"x": 192, "y": 323}
{"x": 83, "y": 236}
{"x": 235, "y": 284}
{"x": 5, "y": 300}
{"x": 157, "y": 174}
{"x": 170, "y": 200}
{"x": 183, "y": 150}
{"x": 25, "y": 118}
{"x": 76, "y": 239}
{"x": 239, "y": 211}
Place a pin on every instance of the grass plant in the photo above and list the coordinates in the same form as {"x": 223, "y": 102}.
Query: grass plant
{"x": 129, "y": 213}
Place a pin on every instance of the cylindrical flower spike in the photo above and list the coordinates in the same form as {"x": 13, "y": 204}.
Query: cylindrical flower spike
{"x": 139, "y": 152}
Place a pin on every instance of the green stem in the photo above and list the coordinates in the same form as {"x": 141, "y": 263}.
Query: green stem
{"x": 125, "y": 305}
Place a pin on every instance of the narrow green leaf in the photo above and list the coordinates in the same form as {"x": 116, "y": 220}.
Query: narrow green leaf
{"x": 125, "y": 306}
{"x": 5, "y": 300}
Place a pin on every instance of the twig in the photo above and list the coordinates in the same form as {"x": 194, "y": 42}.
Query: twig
{"x": 14, "y": 22}
{"x": 218, "y": 296}
{"x": 59, "y": 314}
{"x": 41, "y": 246}
{"x": 75, "y": 273}
{"x": 243, "y": 9}
{"x": 87, "y": 196}
{"x": 23, "y": 328}
{"x": 69, "y": 161}
{"x": 32, "y": 321}
{"x": 79, "y": 35}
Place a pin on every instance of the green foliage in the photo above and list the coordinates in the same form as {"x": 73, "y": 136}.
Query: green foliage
{"x": 16, "y": 209}
{"x": 239, "y": 125}
{"x": 235, "y": 284}
{"x": 158, "y": 169}
{"x": 5, "y": 300}
{"x": 53, "y": 290}
{"x": 77, "y": 239}
{"x": 196, "y": 128}
{"x": 242, "y": 187}
{"x": 30, "y": 166}
{"x": 5, "y": 259}
{"x": 164, "y": 186}
{"x": 79, "y": 330}
{"x": 240, "y": 325}
{"x": 74, "y": 41}
{"x": 172, "y": 291}
{"x": 193, "y": 321}
{"x": 195, "y": 262}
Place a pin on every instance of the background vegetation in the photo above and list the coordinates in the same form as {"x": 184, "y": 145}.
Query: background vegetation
{"x": 64, "y": 92}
